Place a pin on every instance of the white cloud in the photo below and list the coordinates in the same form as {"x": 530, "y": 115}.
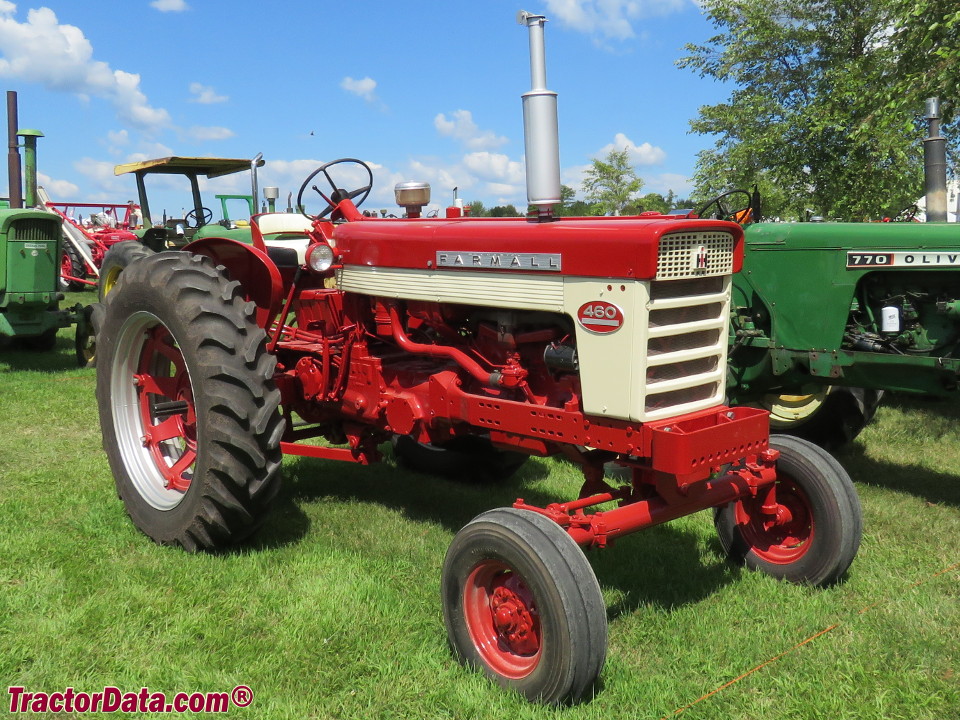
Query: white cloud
{"x": 609, "y": 18}
{"x": 461, "y": 127}
{"x": 60, "y": 58}
{"x": 494, "y": 167}
{"x": 681, "y": 185}
{"x": 118, "y": 137}
{"x": 58, "y": 190}
{"x": 643, "y": 154}
{"x": 169, "y": 5}
{"x": 200, "y": 134}
{"x": 361, "y": 88}
{"x": 205, "y": 95}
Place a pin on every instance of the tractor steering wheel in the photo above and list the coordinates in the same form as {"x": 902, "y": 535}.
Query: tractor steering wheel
{"x": 191, "y": 220}
{"x": 723, "y": 210}
{"x": 338, "y": 193}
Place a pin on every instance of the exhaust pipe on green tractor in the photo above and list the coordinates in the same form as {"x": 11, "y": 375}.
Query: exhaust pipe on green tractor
{"x": 935, "y": 165}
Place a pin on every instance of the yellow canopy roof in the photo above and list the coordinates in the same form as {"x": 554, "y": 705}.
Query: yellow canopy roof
{"x": 210, "y": 166}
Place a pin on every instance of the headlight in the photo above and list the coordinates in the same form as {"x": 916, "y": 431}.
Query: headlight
{"x": 320, "y": 257}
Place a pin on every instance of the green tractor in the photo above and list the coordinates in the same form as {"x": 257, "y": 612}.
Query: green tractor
{"x": 828, "y": 316}
{"x": 173, "y": 232}
{"x": 30, "y": 249}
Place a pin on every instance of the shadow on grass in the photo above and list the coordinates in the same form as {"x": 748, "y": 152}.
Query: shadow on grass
{"x": 934, "y": 487}
{"x": 662, "y": 566}
{"x": 62, "y": 358}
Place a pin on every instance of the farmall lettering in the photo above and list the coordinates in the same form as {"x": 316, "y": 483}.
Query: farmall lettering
{"x": 535, "y": 262}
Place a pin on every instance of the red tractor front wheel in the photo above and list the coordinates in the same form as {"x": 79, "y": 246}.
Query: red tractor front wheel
{"x": 521, "y": 603}
{"x": 806, "y": 528}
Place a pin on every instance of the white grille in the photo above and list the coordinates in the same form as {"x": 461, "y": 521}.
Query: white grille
{"x": 695, "y": 254}
{"x": 686, "y": 344}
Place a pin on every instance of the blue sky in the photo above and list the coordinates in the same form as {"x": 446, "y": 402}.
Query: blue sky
{"x": 421, "y": 90}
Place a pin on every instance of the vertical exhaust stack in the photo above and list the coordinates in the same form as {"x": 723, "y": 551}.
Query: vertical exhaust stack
{"x": 935, "y": 165}
{"x": 14, "y": 177}
{"x": 541, "y": 136}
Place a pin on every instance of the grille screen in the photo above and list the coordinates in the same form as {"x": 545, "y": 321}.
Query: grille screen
{"x": 695, "y": 254}
{"x": 686, "y": 344}
{"x": 672, "y": 398}
{"x": 685, "y": 288}
{"x": 677, "y": 316}
{"x": 683, "y": 341}
{"x": 34, "y": 229}
{"x": 673, "y": 371}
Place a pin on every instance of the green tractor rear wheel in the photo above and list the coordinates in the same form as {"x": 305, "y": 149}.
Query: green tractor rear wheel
{"x": 830, "y": 417}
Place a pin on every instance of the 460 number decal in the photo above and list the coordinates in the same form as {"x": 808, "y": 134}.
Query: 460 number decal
{"x": 600, "y": 316}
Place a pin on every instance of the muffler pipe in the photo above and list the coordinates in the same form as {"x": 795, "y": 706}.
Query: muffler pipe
{"x": 541, "y": 135}
{"x": 935, "y": 165}
{"x": 14, "y": 176}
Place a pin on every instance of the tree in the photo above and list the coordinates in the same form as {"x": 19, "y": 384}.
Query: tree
{"x": 611, "y": 183}
{"x": 825, "y": 112}
{"x": 504, "y": 211}
{"x": 476, "y": 209}
{"x": 653, "y": 202}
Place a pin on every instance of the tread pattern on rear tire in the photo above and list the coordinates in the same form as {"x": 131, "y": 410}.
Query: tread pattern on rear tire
{"x": 237, "y": 469}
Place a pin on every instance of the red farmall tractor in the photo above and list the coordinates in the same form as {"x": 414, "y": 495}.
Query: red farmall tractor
{"x": 599, "y": 339}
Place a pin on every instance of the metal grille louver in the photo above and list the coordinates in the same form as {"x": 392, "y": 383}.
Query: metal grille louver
{"x": 686, "y": 342}
{"x": 34, "y": 229}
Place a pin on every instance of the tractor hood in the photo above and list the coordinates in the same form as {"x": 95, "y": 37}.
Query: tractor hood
{"x": 610, "y": 247}
{"x": 838, "y": 236}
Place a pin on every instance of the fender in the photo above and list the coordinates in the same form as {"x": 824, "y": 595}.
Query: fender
{"x": 257, "y": 273}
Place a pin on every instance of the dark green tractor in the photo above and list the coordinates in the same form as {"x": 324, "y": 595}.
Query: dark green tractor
{"x": 30, "y": 255}
{"x": 827, "y": 316}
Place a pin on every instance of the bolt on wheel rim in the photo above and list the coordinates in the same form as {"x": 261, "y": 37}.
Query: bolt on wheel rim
{"x": 502, "y": 619}
{"x": 782, "y": 532}
{"x": 153, "y": 411}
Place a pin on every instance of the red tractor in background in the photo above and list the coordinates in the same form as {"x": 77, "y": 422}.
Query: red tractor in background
{"x": 86, "y": 242}
{"x": 599, "y": 339}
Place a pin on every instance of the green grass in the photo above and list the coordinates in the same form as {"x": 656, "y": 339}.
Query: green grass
{"x": 333, "y": 611}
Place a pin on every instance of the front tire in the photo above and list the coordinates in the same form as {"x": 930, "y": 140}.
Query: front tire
{"x": 188, "y": 408}
{"x": 813, "y": 532}
{"x": 522, "y": 604}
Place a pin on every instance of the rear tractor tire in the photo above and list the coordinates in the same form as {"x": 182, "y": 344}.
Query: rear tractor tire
{"x": 814, "y": 534}
{"x": 830, "y": 418}
{"x": 188, "y": 408}
{"x": 115, "y": 261}
{"x": 522, "y": 604}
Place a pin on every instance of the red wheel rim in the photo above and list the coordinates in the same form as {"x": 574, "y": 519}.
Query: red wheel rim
{"x": 66, "y": 265}
{"x": 778, "y": 527}
{"x": 167, "y": 409}
{"x": 502, "y": 619}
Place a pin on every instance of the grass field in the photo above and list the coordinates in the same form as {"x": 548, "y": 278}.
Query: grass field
{"x": 333, "y": 611}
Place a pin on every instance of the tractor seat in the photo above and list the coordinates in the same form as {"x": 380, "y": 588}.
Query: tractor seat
{"x": 279, "y": 234}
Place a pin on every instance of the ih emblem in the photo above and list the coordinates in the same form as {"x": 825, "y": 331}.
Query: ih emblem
{"x": 699, "y": 259}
